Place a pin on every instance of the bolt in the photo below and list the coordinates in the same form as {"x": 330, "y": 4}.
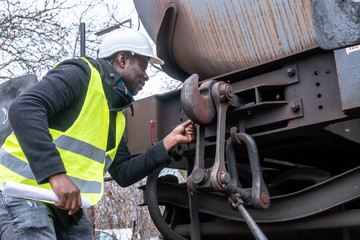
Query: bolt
{"x": 295, "y": 107}
{"x": 265, "y": 197}
{"x": 198, "y": 176}
{"x": 224, "y": 178}
{"x": 230, "y": 92}
{"x": 226, "y": 93}
{"x": 290, "y": 71}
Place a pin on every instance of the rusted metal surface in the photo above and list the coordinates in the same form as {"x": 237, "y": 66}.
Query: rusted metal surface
{"x": 165, "y": 110}
{"x": 138, "y": 131}
{"x": 219, "y": 162}
{"x": 210, "y": 38}
{"x": 197, "y": 103}
{"x": 275, "y": 105}
{"x": 297, "y": 101}
{"x": 275, "y": 100}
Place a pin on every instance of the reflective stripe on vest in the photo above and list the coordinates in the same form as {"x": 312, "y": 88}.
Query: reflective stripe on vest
{"x": 82, "y": 146}
{"x": 23, "y": 169}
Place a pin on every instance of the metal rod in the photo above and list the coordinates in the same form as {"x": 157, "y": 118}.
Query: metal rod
{"x": 200, "y": 148}
{"x": 112, "y": 28}
{"x": 82, "y": 39}
{"x": 254, "y": 228}
{"x": 194, "y": 216}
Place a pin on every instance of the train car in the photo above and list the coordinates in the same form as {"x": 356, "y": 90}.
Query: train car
{"x": 274, "y": 88}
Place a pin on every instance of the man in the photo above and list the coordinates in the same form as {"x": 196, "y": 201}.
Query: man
{"x": 68, "y": 131}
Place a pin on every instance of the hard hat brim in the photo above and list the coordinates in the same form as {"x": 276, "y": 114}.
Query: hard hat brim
{"x": 155, "y": 60}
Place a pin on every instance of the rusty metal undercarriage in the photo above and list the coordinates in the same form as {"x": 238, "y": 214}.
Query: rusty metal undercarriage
{"x": 275, "y": 156}
{"x": 278, "y": 118}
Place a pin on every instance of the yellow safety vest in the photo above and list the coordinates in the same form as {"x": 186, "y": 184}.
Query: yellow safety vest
{"x": 82, "y": 146}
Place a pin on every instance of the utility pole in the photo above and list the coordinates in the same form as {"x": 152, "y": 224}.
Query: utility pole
{"x": 82, "y": 39}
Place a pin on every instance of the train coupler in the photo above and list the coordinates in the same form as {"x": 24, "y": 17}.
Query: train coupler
{"x": 202, "y": 106}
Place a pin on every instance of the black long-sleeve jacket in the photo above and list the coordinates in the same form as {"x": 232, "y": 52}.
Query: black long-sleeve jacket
{"x": 55, "y": 102}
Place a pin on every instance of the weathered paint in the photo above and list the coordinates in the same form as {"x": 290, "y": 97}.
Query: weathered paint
{"x": 220, "y": 36}
{"x": 336, "y": 23}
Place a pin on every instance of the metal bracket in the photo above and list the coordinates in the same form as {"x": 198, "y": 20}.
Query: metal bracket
{"x": 221, "y": 94}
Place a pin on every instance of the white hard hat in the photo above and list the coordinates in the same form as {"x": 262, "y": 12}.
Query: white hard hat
{"x": 127, "y": 39}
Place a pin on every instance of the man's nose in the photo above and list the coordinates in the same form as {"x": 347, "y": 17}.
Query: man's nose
{"x": 146, "y": 77}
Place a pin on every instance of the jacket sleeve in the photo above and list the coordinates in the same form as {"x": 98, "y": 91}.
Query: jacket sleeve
{"x": 127, "y": 170}
{"x": 30, "y": 112}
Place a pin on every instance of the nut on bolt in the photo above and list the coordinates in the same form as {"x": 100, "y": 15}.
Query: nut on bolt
{"x": 265, "y": 197}
{"x": 226, "y": 92}
{"x": 198, "y": 176}
{"x": 290, "y": 71}
{"x": 295, "y": 107}
{"x": 224, "y": 178}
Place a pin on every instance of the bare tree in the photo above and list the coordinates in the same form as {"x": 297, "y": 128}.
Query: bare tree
{"x": 37, "y": 34}
{"x": 32, "y": 36}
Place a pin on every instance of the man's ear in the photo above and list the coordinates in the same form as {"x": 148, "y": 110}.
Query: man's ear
{"x": 122, "y": 59}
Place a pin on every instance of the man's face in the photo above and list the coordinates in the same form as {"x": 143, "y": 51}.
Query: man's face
{"x": 134, "y": 73}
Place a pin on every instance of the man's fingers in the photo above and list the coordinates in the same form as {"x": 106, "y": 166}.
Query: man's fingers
{"x": 72, "y": 204}
{"x": 187, "y": 123}
{"x": 62, "y": 202}
{"x": 67, "y": 191}
{"x": 75, "y": 206}
{"x": 190, "y": 130}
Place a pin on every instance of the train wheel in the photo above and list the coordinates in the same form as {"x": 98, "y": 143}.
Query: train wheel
{"x": 163, "y": 221}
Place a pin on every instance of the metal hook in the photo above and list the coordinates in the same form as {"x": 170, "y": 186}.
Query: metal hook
{"x": 197, "y": 102}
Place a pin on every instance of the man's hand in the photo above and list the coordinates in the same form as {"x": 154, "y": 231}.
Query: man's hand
{"x": 184, "y": 133}
{"x": 67, "y": 191}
